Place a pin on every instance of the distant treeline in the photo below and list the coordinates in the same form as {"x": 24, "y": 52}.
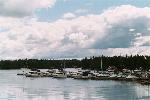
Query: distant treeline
{"x": 121, "y": 62}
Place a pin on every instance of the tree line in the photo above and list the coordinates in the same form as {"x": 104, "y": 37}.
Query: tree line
{"x": 94, "y": 63}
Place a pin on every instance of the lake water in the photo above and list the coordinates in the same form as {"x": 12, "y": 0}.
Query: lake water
{"x": 13, "y": 87}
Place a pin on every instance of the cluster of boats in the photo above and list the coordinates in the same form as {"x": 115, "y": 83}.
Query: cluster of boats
{"x": 142, "y": 78}
{"x": 38, "y": 73}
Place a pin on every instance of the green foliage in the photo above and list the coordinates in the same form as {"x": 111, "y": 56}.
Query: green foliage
{"x": 130, "y": 62}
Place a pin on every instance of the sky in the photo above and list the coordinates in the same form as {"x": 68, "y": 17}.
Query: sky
{"x": 55, "y": 29}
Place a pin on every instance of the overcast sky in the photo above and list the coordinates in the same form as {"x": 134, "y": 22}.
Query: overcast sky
{"x": 73, "y": 28}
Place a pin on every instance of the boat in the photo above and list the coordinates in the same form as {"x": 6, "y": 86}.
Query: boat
{"x": 83, "y": 75}
{"x": 33, "y": 73}
{"x": 113, "y": 77}
{"x": 60, "y": 74}
{"x": 145, "y": 82}
{"x": 44, "y": 74}
{"x": 77, "y": 75}
{"x": 100, "y": 76}
{"x": 121, "y": 77}
{"x": 50, "y": 72}
{"x": 23, "y": 71}
{"x": 131, "y": 78}
{"x": 72, "y": 74}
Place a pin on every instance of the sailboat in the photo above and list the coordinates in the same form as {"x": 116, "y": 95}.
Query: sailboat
{"x": 60, "y": 73}
{"x": 24, "y": 70}
{"x": 102, "y": 75}
{"x": 101, "y": 65}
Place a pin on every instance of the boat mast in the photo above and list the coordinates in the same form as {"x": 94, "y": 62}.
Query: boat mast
{"x": 101, "y": 64}
{"x": 64, "y": 64}
{"x": 26, "y": 65}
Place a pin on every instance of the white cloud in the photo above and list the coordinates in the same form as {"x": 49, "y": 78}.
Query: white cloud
{"x": 131, "y": 30}
{"x": 66, "y": 0}
{"x": 79, "y": 11}
{"x": 69, "y": 15}
{"x": 77, "y": 37}
{"x": 21, "y": 8}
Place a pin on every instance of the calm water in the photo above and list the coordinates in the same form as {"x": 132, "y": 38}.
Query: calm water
{"x": 13, "y": 87}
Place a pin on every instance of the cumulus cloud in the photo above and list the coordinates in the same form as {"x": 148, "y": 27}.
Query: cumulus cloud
{"x": 80, "y": 11}
{"x": 119, "y": 30}
{"x": 22, "y": 8}
{"x": 69, "y": 15}
{"x": 131, "y": 30}
{"x": 66, "y": 0}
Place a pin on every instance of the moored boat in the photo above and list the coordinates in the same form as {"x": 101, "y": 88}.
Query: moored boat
{"x": 101, "y": 76}
{"x": 113, "y": 77}
{"x": 60, "y": 74}
{"x": 131, "y": 78}
{"x": 83, "y": 75}
{"x": 50, "y": 72}
{"x": 33, "y": 73}
{"x": 145, "y": 82}
{"x": 23, "y": 71}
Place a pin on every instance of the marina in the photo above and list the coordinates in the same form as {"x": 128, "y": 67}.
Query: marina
{"x": 74, "y": 50}
{"x": 14, "y": 87}
{"x": 78, "y": 73}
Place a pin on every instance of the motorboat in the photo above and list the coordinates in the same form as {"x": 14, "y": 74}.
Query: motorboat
{"x": 50, "y": 72}
{"x": 131, "y": 78}
{"x": 83, "y": 75}
{"x": 33, "y": 73}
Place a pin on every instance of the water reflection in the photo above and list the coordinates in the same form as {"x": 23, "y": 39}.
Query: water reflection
{"x": 15, "y": 87}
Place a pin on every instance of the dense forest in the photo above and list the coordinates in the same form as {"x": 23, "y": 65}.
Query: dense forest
{"x": 121, "y": 62}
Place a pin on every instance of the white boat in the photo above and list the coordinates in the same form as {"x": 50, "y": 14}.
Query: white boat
{"x": 33, "y": 73}
{"x": 71, "y": 74}
{"x": 78, "y": 76}
{"x": 43, "y": 74}
{"x": 50, "y": 72}
{"x": 113, "y": 77}
{"x": 82, "y": 75}
{"x": 23, "y": 71}
{"x": 60, "y": 74}
{"x": 131, "y": 77}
